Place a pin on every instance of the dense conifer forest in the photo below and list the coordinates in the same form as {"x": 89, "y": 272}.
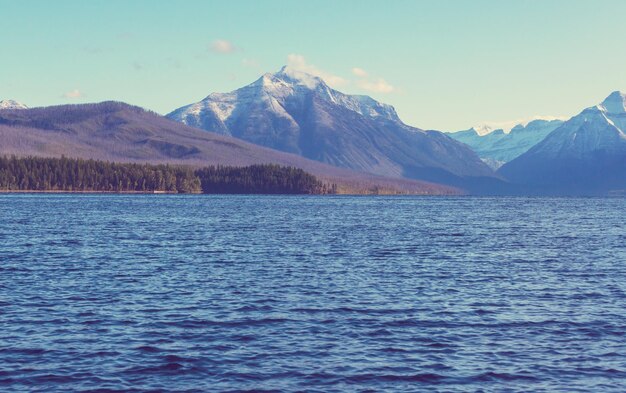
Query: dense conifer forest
{"x": 79, "y": 175}
{"x": 261, "y": 179}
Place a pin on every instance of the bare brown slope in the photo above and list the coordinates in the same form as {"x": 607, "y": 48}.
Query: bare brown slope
{"x": 119, "y": 132}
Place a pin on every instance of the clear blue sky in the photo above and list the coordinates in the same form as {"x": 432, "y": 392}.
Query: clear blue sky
{"x": 444, "y": 65}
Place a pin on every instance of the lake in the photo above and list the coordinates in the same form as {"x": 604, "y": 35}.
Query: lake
{"x": 309, "y": 293}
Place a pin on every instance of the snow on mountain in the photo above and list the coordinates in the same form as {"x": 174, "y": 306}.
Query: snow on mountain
{"x": 273, "y": 90}
{"x": 587, "y": 152}
{"x": 614, "y": 104}
{"x": 592, "y": 130}
{"x": 115, "y": 131}
{"x": 484, "y": 129}
{"x": 497, "y": 147}
{"x": 11, "y": 104}
{"x": 299, "y": 113}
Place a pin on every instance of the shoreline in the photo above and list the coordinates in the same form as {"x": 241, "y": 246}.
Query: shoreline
{"x": 8, "y": 192}
{"x": 85, "y": 192}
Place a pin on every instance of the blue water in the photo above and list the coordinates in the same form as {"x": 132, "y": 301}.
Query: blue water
{"x": 326, "y": 294}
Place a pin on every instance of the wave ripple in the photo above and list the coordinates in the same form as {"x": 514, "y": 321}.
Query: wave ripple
{"x": 140, "y": 293}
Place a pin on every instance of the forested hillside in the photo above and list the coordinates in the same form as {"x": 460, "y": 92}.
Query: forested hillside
{"x": 122, "y": 133}
{"x": 66, "y": 174}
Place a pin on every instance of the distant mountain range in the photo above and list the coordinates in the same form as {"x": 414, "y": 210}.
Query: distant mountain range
{"x": 298, "y": 113}
{"x": 585, "y": 155}
{"x": 119, "y": 132}
{"x": 497, "y": 147}
{"x": 294, "y": 119}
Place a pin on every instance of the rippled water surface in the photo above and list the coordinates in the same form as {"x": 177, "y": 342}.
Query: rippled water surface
{"x": 327, "y": 294}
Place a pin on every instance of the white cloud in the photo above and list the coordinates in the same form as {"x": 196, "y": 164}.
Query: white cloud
{"x": 73, "y": 94}
{"x": 298, "y": 62}
{"x": 223, "y": 46}
{"x": 360, "y": 72}
{"x": 376, "y": 85}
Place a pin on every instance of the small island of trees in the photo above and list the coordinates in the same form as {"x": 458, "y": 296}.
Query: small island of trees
{"x": 80, "y": 175}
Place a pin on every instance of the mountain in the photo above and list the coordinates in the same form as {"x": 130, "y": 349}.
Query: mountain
{"x": 119, "y": 132}
{"x": 10, "y": 104}
{"x": 298, "y": 113}
{"x": 585, "y": 155}
{"x": 497, "y": 147}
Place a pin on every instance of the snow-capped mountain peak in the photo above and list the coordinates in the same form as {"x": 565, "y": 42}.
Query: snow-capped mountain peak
{"x": 11, "y": 104}
{"x": 290, "y": 81}
{"x": 297, "y": 112}
{"x": 297, "y": 77}
{"x": 268, "y": 85}
{"x": 585, "y": 154}
{"x": 277, "y": 92}
{"x": 483, "y": 129}
{"x": 615, "y": 103}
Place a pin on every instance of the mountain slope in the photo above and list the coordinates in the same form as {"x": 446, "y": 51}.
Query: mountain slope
{"x": 119, "y": 132}
{"x": 498, "y": 147}
{"x": 298, "y": 113}
{"x": 585, "y": 155}
{"x": 11, "y": 104}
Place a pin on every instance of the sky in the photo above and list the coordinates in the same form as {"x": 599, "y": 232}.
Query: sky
{"x": 445, "y": 65}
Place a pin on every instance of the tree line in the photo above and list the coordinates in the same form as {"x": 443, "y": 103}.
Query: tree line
{"x": 70, "y": 174}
